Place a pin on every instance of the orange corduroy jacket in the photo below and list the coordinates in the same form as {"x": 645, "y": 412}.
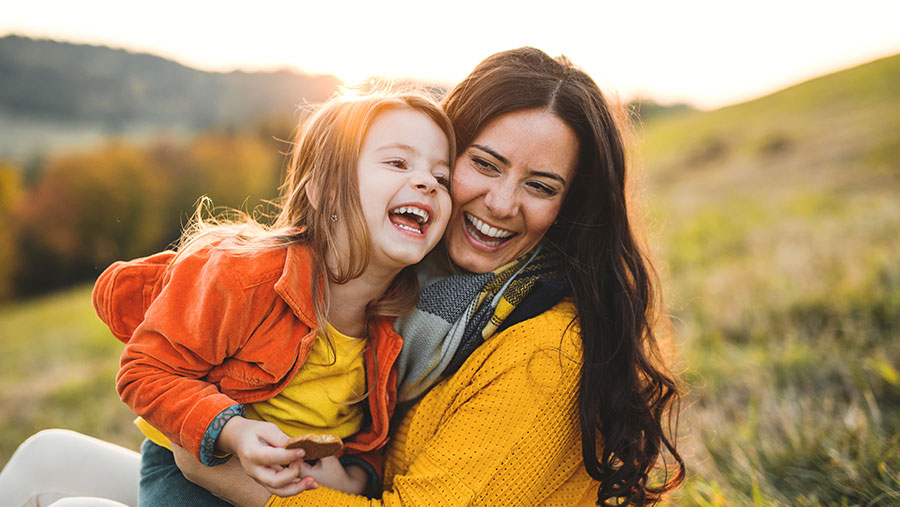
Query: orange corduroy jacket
{"x": 218, "y": 327}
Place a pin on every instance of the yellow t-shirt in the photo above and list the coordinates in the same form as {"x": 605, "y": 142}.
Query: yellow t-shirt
{"x": 324, "y": 397}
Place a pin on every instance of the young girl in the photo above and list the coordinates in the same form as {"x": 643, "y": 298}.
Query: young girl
{"x": 250, "y": 335}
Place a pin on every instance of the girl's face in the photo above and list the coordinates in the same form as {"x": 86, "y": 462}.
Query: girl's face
{"x": 508, "y": 187}
{"x": 404, "y": 178}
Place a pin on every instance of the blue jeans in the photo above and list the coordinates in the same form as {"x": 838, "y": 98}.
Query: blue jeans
{"x": 163, "y": 484}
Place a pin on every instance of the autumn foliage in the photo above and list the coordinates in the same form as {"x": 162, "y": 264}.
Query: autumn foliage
{"x": 121, "y": 200}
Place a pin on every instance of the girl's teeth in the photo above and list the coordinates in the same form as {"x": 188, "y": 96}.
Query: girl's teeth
{"x": 413, "y": 211}
{"x": 410, "y": 229}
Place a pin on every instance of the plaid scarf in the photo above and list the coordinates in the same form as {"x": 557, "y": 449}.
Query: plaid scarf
{"x": 456, "y": 312}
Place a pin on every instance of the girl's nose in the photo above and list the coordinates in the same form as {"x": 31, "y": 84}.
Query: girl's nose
{"x": 424, "y": 181}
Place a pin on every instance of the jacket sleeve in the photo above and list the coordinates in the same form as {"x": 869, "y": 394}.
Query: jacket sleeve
{"x": 512, "y": 437}
{"x": 198, "y": 320}
{"x": 373, "y": 464}
{"x": 124, "y": 291}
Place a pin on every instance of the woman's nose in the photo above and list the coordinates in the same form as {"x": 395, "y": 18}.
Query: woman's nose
{"x": 501, "y": 200}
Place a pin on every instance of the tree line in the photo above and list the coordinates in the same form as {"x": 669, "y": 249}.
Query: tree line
{"x": 81, "y": 211}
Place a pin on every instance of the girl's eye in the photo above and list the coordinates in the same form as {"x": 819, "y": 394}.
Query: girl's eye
{"x": 483, "y": 165}
{"x": 443, "y": 180}
{"x": 542, "y": 189}
{"x": 399, "y": 163}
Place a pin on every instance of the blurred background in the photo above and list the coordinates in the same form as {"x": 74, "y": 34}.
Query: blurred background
{"x": 766, "y": 147}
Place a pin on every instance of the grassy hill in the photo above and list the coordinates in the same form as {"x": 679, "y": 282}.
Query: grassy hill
{"x": 58, "y": 365}
{"x": 775, "y": 226}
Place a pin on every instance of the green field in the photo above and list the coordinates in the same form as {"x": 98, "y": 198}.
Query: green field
{"x": 58, "y": 365}
{"x": 777, "y": 223}
{"x": 776, "y": 228}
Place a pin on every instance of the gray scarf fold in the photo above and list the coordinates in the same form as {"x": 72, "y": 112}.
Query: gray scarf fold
{"x": 456, "y": 312}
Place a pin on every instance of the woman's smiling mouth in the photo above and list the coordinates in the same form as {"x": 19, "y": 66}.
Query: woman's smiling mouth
{"x": 484, "y": 233}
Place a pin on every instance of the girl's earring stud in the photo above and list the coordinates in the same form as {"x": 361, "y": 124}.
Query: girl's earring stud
{"x": 334, "y": 218}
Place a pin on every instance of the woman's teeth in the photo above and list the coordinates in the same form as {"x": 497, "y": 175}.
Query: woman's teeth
{"x": 499, "y": 235}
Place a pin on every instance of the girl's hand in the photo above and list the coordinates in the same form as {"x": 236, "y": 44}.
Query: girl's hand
{"x": 330, "y": 473}
{"x": 229, "y": 482}
{"x": 258, "y": 446}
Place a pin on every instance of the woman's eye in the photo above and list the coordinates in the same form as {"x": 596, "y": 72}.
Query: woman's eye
{"x": 542, "y": 189}
{"x": 399, "y": 163}
{"x": 483, "y": 165}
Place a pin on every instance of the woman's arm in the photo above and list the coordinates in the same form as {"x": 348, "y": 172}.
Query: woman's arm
{"x": 229, "y": 481}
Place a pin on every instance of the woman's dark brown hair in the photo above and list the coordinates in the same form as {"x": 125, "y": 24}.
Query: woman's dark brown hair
{"x": 626, "y": 396}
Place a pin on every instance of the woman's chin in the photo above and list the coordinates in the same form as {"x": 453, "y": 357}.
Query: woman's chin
{"x": 479, "y": 258}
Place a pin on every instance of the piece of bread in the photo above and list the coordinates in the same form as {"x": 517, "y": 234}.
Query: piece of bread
{"x": 316, "y": 446}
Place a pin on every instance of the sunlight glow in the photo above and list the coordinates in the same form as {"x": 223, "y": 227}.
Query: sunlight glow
{"x": 701, "y": 51}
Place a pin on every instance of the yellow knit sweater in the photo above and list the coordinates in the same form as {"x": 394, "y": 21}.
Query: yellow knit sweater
{"x": 503, "y": 430}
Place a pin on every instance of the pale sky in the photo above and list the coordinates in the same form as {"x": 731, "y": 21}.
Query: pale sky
{"x": 706, "y": 52}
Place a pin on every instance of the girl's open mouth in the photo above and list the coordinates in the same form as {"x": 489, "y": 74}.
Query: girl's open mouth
{"x": 410, "y": 218}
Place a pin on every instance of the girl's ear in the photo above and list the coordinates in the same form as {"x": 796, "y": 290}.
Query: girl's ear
{"x": 312, "y": 195}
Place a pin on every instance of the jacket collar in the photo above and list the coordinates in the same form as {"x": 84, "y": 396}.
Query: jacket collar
{"x": 295, "y": 283}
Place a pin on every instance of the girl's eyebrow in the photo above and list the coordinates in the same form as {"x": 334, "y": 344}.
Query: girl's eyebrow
{"x": 392, "y": 146}
{"x": 503, "y": 160}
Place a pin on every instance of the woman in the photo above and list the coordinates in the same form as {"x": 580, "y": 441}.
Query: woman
{"x": 566, "y": 401}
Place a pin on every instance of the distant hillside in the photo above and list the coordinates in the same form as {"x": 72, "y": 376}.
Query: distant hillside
{"x": 839, "y": 132}
{"x": 645, "y": 109}
{"x": 47, "y": 85}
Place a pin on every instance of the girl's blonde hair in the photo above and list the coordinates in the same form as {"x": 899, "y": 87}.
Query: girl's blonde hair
{"x": 319, "y": 201}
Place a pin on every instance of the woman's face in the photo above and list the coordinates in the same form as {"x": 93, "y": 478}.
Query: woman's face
{"x": 508, "y": 187}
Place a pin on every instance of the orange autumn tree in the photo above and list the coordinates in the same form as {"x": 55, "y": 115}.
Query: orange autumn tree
{"x": 122, "y": 201}
{"x": 87, "y": 210}
{"x": 10, "y": 194}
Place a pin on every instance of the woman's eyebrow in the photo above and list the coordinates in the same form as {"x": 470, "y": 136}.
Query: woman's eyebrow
{"x": 503, "y": 160}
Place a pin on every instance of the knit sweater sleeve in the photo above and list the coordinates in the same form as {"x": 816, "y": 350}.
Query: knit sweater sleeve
{"x": 503, "y": 430}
